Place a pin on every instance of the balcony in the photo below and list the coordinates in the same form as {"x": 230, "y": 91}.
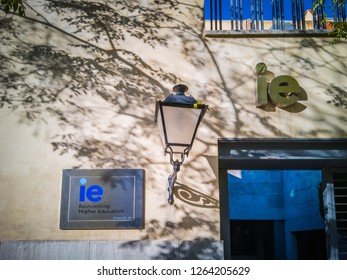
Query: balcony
{"x": 271, "y": 18}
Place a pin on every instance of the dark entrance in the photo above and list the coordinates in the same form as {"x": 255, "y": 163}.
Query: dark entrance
{"x": 311, "y": 245}
{"x": 252, "y": 240}
{"x": 276, "y": 154}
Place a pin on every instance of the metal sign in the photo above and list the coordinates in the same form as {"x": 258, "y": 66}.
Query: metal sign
{"x": 102, "y": 199}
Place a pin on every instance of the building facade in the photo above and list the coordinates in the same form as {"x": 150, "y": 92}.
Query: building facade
{"x": 78, "y": 85}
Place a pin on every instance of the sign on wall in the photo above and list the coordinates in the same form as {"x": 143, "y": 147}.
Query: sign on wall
{"x": 279, "y": 91}
{"x": 102, "y": 199}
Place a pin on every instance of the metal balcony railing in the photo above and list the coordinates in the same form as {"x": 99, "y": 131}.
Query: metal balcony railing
{"x": 255, "y": 15}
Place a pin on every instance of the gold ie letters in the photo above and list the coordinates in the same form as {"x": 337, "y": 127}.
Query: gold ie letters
{"x": 282, "y": 91}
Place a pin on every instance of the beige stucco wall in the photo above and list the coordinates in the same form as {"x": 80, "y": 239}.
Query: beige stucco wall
{"x": 93, "y": 107}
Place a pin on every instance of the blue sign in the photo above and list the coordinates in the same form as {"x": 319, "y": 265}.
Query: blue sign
{"x": 94, "y": 193}
{"x": 102, "y": 199}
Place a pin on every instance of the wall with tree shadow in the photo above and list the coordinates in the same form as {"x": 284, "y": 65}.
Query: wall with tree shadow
{"x": 78, "y": 86}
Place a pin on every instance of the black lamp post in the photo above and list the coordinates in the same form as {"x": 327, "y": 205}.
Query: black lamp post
{"x": 178, "y": 118}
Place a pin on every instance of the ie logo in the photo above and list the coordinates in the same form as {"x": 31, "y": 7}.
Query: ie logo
{"x": 282, "y": 91}
{"x": 93, "y": 193}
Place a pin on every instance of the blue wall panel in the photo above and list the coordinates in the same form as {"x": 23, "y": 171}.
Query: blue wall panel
{"x": 301, "y": 200}
{"x": 256, "y": 195}
{"x": 289, "y": 196}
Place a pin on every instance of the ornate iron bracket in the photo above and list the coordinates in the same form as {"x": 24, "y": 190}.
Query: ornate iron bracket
{"x": 176, "y": 164}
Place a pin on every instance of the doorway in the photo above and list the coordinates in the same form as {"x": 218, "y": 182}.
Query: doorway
{"x": 266, "y": 207}
{"x": 311, "y": 245}
{"x": 252, "y": 240}
{"x": 276, "y": 154}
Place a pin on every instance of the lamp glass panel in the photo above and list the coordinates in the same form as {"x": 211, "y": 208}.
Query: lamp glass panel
{"x": 180, "y": 124}
{"x": 161, "y": 129}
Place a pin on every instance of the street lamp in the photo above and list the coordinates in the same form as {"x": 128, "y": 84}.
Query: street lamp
{"x": 178, "y": 118}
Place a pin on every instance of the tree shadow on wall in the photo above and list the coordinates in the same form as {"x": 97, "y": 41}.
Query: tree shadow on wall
{"x": 339, "y": 96}
{"x": 49, "y": 68}
{"x": 86, "y": 53}
{"x": 200, "y": 249}
{"x": 331, "y": 61}
{"x": 164, "y": 247}
{"x": 190, "y": 220}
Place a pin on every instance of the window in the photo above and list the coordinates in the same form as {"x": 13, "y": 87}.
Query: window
{"x": 271, "y": 15}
